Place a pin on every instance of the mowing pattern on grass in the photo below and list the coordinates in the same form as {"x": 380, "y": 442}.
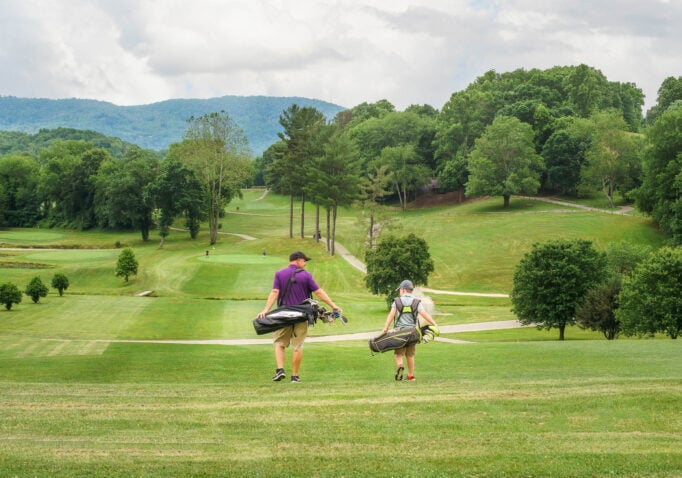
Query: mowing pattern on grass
{"x": 27, "y": 347}
{"x": 490, "y": 410}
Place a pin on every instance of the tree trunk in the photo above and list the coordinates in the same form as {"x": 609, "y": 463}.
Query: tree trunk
{"x": 213, "y": 219}
{"x": 333, "y": 228}
{"x": 506, "y": 201}
{"x": 302, "y": 214}
{"x": 317, "y": 223}
{"x": 561, "y": 332}
{"x": 371, "y": 228}
{"x": 291, "y": 216}
{"x": 401, "y": 198}
{"x": 328, "y": 229}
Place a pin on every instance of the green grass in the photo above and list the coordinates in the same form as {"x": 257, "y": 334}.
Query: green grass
{"x": 580, "y": 408}
{"x": 78, "y": 399}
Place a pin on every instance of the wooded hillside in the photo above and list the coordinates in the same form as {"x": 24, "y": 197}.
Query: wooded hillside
{"x": 157, "y": 125}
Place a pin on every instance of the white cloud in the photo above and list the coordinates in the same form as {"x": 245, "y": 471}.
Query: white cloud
{"x": 344, "y": 51}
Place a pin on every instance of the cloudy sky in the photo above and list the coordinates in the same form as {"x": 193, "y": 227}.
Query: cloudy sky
{"x": 343, "y": 51}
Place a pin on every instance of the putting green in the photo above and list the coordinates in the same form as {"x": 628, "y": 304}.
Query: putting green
{"x": 30, "y": 236}
{"x": 78, "y": 255}
{"x": 241, "y": 259}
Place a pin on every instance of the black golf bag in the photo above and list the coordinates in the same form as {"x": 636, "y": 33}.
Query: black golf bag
{"x": 395, "y": 339}
{"x": 286, "y": 315}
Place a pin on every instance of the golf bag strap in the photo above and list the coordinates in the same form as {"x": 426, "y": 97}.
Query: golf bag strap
{"x": 399, "y": 308}
{"x": 292, "y": 279}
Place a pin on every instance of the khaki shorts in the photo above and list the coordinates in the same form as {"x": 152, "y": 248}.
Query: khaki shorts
{"x": 408, "y": 350}
{"x": 292, "y": 334}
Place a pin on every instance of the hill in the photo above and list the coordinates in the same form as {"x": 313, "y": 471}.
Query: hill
{"x": 156, "y": 125}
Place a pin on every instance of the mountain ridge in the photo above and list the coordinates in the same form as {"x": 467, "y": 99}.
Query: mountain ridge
{"x": 154, "y": 125}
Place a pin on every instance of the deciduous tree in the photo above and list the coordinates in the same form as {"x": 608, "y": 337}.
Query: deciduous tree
{"x": 9, "y": 295}
{"x": 394, "y": 260}
{"x": 661, "y": 191}
{"x": 36, "y": 289}
{"x": 552, "y": 280}
{"x": 650, "y": 300}
{"x": 60, "y": 282}
{"x": 504, "y": 161}
{"x": 612, "y": 159}
{"x": 127, "y": 264}
{"x": 218, "y": 153}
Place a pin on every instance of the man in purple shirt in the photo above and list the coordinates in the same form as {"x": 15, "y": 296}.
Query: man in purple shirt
{"x": 293, "y": 293}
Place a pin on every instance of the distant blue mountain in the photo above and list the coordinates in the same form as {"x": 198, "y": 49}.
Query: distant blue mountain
{"x": 157, "y": 125}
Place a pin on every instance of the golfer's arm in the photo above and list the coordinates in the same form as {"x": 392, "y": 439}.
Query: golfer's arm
{"x": 274, "y": 293}
{"x": 389, "y": 319}
{"x": 428, "y": 318}
{"x": 325, "y": 298}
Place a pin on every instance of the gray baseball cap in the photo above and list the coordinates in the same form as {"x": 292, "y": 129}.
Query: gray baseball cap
{"x": 406, "y": 284}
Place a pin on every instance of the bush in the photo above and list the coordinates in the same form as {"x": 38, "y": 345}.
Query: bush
{"x": 60, "y": 282}
{"x": 36, "y": 289}
{"x": 127, "y": 264}
{"x": 9, "y": 295}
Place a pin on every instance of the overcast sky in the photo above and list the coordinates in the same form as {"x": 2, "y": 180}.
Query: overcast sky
{"x": 343, "y": 51}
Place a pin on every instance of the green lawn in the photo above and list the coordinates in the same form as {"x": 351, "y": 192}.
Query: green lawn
{"x": 571, "y": 409}
{"x": 79, "y": 399}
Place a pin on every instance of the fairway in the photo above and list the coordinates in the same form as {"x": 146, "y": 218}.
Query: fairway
{"x": 569, "y": 409}
{"x": 72, "y": 255}
{"x": 29, "y": 236}
{"x": 91, "y": 383}
{"x": 242, "y": 259}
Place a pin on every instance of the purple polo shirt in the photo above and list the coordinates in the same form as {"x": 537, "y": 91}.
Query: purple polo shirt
{"x": 300, "y": 290}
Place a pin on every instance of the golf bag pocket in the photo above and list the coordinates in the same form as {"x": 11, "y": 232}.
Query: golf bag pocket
{"x": 395, "y": 339}
{"x": 283, "y": 316}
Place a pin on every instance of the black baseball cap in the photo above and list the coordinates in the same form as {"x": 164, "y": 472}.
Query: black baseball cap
{"x": 298, "y": 255}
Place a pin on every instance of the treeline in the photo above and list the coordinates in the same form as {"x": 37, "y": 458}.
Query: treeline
{"x": 564, "y": 130}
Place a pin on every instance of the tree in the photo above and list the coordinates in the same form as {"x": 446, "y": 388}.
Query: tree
{"x": 407, "y": 172}
{"x": 669, "y": 92}
{"x": 598, "y": 311}
{"x": 67, "y": 183}
{"x": 60, "y": 282}
{"x": 175, "y": 190}
{"x": 650, "y": 300}
{"x": 587, "y": 89}
{"x": 661, "y": 191}
{"x": 303, "y": 135}
{"x": 395, "y": 130}
{"x": 551, "y": 281}
{"x": 127, "y": 264}
{"x": 19, "y": 203}
{"x": 333, "y": 180}
{"x": 375, "y": 187}
{"x": 122, "y": 200}
{"x": 36, "y": 289}
{"x": 612, "y": 158}
{"x": 216, "y": 149}
{"x": 9, "y": 295}
{"x": 504, "y": 161}
{"x": 564, "y": 154}
{"x": 394, "y": 260}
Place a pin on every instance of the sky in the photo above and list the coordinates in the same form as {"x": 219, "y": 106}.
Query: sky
{"x": 131, "y": 52}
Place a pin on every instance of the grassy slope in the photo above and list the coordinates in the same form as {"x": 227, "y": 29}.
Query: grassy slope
{"x": 517, "y": 403}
